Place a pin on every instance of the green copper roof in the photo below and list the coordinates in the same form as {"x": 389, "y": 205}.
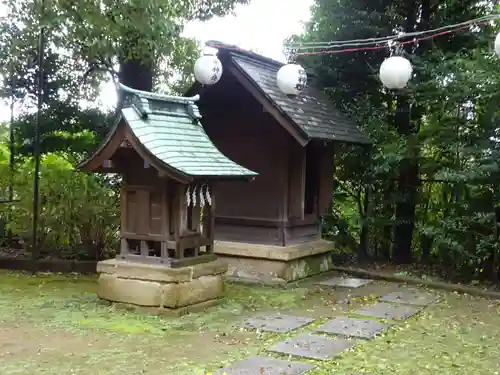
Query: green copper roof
{"x": 169, "y": 128}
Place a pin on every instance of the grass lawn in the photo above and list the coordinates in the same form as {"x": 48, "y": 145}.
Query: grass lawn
{"x": 54, "y": 324}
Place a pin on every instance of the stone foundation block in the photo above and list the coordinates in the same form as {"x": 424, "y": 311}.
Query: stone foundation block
{"x": 136, "y": 292}
{"x": 274, "y": 264}
{"x": 159, "y": 288}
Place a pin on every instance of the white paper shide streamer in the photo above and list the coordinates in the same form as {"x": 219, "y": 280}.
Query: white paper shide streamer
{"x": 197, "y": 195}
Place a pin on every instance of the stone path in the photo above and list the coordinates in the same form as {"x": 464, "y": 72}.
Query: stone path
{"x": 346, "y": 282}
{"x": 313, "y": 346}
{"x": 331, "y": 338}
{"x": 353, "y": 327}
{"x": 265, "y": 365}
{"x": 278, "y": 323}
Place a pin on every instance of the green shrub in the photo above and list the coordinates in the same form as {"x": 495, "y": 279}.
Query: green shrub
{"x": 78, "y": 215}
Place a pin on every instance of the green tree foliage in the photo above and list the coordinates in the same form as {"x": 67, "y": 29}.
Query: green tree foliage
{"x": 65, "y": 124}
{"x": 140, "y": 37}
{"x": 138, "y": 42}
{"x": 79, "y": 215}
{"x": 432, "y": 183}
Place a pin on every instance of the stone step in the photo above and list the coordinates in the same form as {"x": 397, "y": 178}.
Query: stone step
{"x": 259, "y": 365}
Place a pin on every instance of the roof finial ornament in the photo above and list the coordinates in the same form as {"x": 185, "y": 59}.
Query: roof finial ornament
{"x": 193, "y": 111}
{"x": 161, "y": 97}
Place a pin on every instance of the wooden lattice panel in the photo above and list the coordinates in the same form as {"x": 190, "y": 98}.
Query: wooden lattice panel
{"x": 155, "y": 212}
{"x": 131, "y": 206}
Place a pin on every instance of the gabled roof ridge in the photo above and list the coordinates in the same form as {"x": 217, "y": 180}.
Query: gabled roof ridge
{"x": 160, "y": 97}
{"x": 250, "y": 56}
{"x": 233, "y": 49}
{"x": 255, "y": 61}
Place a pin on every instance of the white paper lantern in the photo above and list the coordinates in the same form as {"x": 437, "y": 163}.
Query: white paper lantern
{"x": 291, "y": 79}
{"x": 497, "y": 44}
{"x": 395, "y": 72}
{"x": 208, "y": 69}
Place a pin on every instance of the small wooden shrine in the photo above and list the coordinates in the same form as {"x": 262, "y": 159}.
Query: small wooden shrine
{"x": 270, "y": 231}
{"x": 168, "y": 166}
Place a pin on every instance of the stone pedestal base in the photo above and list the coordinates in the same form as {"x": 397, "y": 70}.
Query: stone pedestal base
{"x": 274, "y": 264}
{"x": 160, "y": 289}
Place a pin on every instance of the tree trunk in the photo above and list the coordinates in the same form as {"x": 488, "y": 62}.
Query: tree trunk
{"x": 385, "y": 238}
{"x": 364, "y": 237}
{"x": 407, "y": 191}
{"x": 134, "y": 73}
{"x": 386, "y": 206}
{"x": 366, "y": 211}
{"x": 409, "y": 170}
{"x": 425, "y": 248}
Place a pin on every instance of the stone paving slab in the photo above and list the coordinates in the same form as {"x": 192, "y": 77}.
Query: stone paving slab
{"x": 259, "y": 365}
{"x": 279, "y": 323}
{"x": 385, "y": 310}
{"x": 353, "y": 327}
{"x": 410, "y": 297}
{"x": 313, "y": 346}
{"x": 346, "y": 282}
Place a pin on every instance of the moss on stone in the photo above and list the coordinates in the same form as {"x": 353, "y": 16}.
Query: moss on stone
{"x": 309, "y": 266}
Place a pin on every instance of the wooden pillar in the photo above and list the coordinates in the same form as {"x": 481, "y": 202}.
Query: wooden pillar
{"x": 296, "y": 182}
{"x": 326, "y": 179}
{"x": 209, "y": 223}
{"x": 124, "y": 250}
{"x": 283, "y": 202}
{"x": 195, "y": 224}
{"x": 123, "y": 221}
{"x": 179, "y": 218}
{"x": 165, "y": 219}
{"x": 144, "y": 248}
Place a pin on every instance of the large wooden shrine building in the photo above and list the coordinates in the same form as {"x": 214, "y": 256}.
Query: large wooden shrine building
{"x": 168, "y": 167}
{"x": 270, "y": 229}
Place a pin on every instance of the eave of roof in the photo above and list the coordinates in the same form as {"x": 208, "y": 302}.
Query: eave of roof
{"x": 165, "y": 131}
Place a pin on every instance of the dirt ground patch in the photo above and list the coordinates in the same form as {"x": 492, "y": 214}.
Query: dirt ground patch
{"x": 27, "y": 340}
{"x": 29, "y": 348}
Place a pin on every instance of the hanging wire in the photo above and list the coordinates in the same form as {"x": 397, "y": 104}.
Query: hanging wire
{"x": 375, "y": 42}
{"x": 384, "y": 45}
{"x": 370, "y": 44}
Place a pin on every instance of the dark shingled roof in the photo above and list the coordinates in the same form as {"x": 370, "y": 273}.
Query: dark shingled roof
{"x": 311, "y": 111}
